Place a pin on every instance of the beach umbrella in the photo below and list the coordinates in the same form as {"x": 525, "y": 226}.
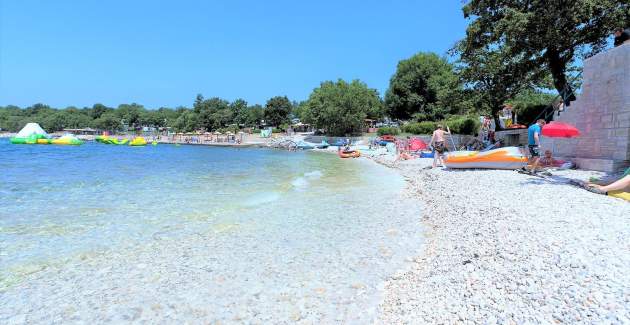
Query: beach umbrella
{"x": 217, "y": 133}
{"x": 417, "y": 144}
{"x": 556, "y": 129}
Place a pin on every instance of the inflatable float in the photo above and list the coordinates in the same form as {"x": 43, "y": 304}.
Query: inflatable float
{"x": 138, "y": 142}
{"x": 349, "y": 154}
{"x": 620, "y": 195}
{"x": 67, "y": 140}
{"x": 31, "y": 133}
{"x": 31, "y": 139}
{"x": 502, "y": 158}
{"x": 110, "y": 140}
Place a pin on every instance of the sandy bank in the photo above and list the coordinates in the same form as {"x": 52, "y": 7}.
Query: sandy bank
{"x": 507, "y": 248}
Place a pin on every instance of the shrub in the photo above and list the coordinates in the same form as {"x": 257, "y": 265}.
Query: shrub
{"x": 387, "y": 130}
{"x": 424, "y": 127}
{"x": 462, "y": 125}
{"x": 527, "y": 114}
{"x": 457, "y": 124}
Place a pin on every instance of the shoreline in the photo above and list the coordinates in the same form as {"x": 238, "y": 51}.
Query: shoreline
{"x": 491, "y": 257}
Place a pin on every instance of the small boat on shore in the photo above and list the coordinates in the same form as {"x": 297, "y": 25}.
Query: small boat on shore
{"x": 305, "y": 145}
{"x": 385, "y": 139}
{"x": 502, "y": 158}
{"x": 349, "y": 154}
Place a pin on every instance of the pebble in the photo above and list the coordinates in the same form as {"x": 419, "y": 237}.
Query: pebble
{"x": 518, "y": 261}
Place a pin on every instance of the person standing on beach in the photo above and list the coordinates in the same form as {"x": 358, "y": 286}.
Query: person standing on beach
{"x": 533, "y": 142}
{"x": 438, "y": 144}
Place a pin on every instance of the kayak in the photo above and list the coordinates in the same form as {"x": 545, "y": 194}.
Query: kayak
{"x": 349, "y": 154}
{"x": 502, "y": 158}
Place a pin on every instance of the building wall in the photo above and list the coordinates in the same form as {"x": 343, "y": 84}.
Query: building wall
{"x": 601, "y": 113}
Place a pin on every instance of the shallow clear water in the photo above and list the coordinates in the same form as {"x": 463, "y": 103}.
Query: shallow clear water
{"x": 273, "y": 218}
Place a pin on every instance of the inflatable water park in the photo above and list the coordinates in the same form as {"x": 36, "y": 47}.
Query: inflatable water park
{"x": 135, "y": 142}
{"x": 32, "y": 133}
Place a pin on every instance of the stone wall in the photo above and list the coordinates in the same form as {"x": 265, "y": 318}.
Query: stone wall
{"x": 601, "y": 113}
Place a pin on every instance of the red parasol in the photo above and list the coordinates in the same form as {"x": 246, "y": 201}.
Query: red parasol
{"x": 560, "y": 130}
{"x": 417, "y": 144}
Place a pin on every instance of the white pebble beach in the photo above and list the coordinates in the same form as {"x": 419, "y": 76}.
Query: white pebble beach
{"x": 508, "y": 248}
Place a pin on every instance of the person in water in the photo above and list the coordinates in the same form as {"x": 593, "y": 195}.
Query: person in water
{"x": 534, "y": 133}
{"x": 438, "y": 144}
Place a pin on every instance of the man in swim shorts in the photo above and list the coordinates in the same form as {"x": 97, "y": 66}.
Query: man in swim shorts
{"x": 534, "y": 133}
{"x": 438, "y": 144}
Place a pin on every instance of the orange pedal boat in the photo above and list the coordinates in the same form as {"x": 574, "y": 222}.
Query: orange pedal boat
{"x": 502, "y": 158}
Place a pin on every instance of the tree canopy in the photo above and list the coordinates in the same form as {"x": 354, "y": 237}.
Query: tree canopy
{"x": 424, "y": 87}
{"x": 529, "y": 34}
{"x": 277, "y": 110}
{"x": 206, "y": 114}
{"x": 340, "y": 108}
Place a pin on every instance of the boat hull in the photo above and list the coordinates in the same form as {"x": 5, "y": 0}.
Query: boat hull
{"x": 502, "y": 158}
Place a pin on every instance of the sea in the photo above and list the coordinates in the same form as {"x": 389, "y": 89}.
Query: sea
{"x": 223, "y": 234}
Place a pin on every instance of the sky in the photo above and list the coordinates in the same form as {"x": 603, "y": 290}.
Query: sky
{"x": 163, "y": 53}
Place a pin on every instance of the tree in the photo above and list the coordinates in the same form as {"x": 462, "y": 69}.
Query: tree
{"x": 130, "y": 114}
{"x": 186, "y": 122}
{"x": 423, "y": 85}
{"x": 213, "y": 113}
{"x": 535, "y": 33}
{"x": 254, "y": 115}
{"x": 98, "y": 109}
{"x": 340, "y": 108}
{"x": 277, "y": 110}
{"x": 108, "y": 121}
{"x": 492, "y": 79}
{"x": 239, "y": 111}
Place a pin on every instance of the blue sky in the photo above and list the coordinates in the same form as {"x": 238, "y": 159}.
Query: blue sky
{"x": 163, "y": 53}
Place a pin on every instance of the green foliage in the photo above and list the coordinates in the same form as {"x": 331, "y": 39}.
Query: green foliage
{"x": 533, "y": 38}
{"x": 424, "y": 86}
{"x": 457, "y": 124}
{"x": 388, "y": 130}
{"x": 529, "y": 105}
{"x": 424, "y": 127}
{"x": 186, "y": 122}
{"x": 213, "y": 113}
{"x": 108, "y": 121}
{"x": 254, "y": 115}
{"x": 462, "y": 125}
{"x": 277, "y": 110}
{"x": 340, "y": 108}
{"x": 300, "y": 110}
{"x": 239, "y": 111}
